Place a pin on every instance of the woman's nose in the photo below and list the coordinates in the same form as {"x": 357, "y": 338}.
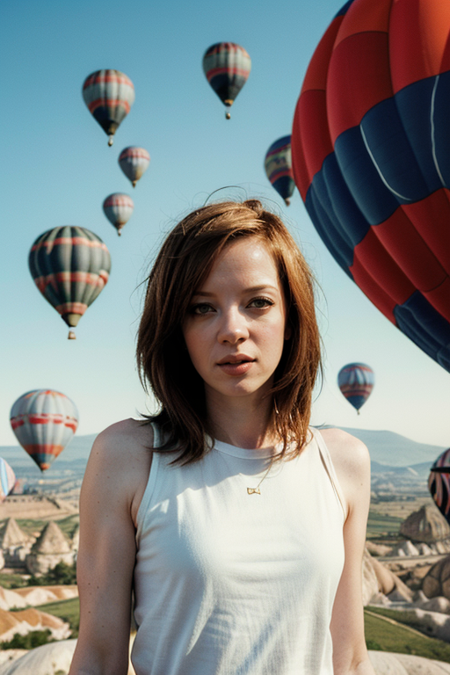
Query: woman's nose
{"x": 233, "y": 327}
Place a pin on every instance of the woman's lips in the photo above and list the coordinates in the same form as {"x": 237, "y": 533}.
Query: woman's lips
{"x": 236, "y": 368}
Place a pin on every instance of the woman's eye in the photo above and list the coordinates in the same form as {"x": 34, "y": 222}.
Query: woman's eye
{"x": 201, "y": 308}
{"x": 260, "y": 303}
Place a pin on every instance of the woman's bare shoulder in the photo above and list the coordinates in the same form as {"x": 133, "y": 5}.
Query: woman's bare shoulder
{"x": 351, "y": 461}
{"x": 124, "y": 439}
{"x": 125, "y": 449}
{"x": 345, "y": 448}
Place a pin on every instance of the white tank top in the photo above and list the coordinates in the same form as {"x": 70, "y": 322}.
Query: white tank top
{"x": 231, "y": 583}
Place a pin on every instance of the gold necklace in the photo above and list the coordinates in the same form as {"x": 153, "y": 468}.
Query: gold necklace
{"x": 256, "y": 490}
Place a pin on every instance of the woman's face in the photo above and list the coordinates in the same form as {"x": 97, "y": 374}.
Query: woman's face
{"x": 236, "y": 325}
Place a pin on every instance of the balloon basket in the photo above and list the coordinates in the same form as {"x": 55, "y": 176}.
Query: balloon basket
{"x": 110, "y": 141}
{"x": 71, "y": 335}
{"x": 227, "y": 115}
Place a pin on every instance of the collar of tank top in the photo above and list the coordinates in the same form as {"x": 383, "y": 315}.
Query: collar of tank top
{"x": 247, "y": 453}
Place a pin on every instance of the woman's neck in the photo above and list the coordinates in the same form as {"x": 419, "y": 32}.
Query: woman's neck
{"x": 245, "y": 423}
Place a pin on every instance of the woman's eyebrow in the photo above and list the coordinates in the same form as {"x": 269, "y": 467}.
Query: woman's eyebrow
{"x": 250, "y": 289}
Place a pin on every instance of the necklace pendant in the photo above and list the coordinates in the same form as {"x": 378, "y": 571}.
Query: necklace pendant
{"x": 253, "y": 491}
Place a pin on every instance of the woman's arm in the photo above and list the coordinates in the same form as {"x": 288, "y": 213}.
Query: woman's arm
{"x": 115, "y": 477}
{"x": 352, "y": 463}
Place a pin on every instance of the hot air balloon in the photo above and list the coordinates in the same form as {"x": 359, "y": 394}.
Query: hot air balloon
{"x": 109, "y": 95}
{"x": 7, "y": 479}
{"x": 118, "y": 208}
{"x": 134, "y": 163}
{"x": 356, "y": 381}
{"x": 227, "y": 67}
{"x": 70, "y": 266}
{"x": 370, "y": 154}
{"x": 44, "y": 422}
{"x": 278, "y": 166}
{"x": 439, "y": 483}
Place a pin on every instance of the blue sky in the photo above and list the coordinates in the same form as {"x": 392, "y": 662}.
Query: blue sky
{"x": 58, "y": 168}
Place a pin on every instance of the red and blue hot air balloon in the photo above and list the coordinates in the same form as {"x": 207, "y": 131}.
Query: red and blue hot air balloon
{"x": 70, "y": 266}
{"x": 227, "y": 67}
{"x": 118, "y": 208}
{"x": 439, "y": 483}
{"x": 109, "y": 95}
{"x": 356, "y": 381}
{"x": 44, "y": 421}
{"x": 278, "y": 166}
{"x": 134, "y": 163}
{"x": 371, "y": 158}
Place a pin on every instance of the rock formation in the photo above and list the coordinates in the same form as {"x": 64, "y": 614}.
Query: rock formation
{"x": 378, "y": 579}
{"x": 31, "y": 619}
{"x": 52, "y": 659}
{"x": 14, "y": 544}
{"x": 51, "y": 548}
{"x": 437, "y": 581}
{"x": 35, "y": 595}
{"x": 427, "y": 525}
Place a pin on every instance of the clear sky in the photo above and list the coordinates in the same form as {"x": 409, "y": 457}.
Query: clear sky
{"x": 57, "y": 170}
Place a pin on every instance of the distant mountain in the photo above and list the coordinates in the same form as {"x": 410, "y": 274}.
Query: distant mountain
{"x": 386, "y": 448}
{"x": 392, "y": 449}
{"x": 78, "y": 449}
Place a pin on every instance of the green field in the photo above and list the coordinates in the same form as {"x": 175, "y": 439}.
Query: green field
{"x": 387, "y": 635}
{"x": 378, "y": 524}
{"x": 68, "y": 610}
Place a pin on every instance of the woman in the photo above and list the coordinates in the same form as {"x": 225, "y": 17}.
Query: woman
{"x": 241, "y": 529}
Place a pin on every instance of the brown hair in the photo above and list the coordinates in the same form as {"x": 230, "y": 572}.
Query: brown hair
{"x": 183, "y": 264}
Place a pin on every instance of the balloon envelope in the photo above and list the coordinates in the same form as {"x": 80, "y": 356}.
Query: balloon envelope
{"x": 7, "y": 479}
{"x": 70, "y": 266}
{"x": 439, "y": 483}
{"x": 118, "y": 208}
{"x": 227, "y": 67}
{"x": 109, "y": 95}
{"x": 278, "y": 166}
{"x": 134, "y": 163}
{"x": 356, "y": 381}
{"x": 370, "y": 152}
{"x": 44, "y": 421}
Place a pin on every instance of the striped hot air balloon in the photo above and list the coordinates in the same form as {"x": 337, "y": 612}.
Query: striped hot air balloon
{"x": 70, "y": 266}
{"x": 278, "y": 166}
{"x": 7, "y": 479}
{"x": 109, "y": 95}
{"x": 118, "y": 208}
{"x": 227, "y": 67}
{"x": 134, "y": 163}
{"x": 439, "y": 483}
{"x": 44, "y": 421}
{"x": 356, "y": 381}
{"x": 371, "y": 158}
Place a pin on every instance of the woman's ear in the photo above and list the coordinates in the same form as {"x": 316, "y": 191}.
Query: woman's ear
{"x": 287, "y": 331}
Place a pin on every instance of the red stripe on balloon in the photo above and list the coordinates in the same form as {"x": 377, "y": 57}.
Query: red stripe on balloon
{"x": 71, "y": 308}
{"x": 355, "y": 85}
{"x": 109, "y": 103}
{"x": 43, "y": 448}
{"x": 73, "y": 241}
{"x": 228, "y": 71}
{"x": 365, "y": 16}
{"x": 418, "y": 44}
{"x": 310, "y": 137}
{"x": 100, "y": 79}
{"x": 384, "y": 271}
{"x": 430, "y": 219}
{"x": 405, "y": 245}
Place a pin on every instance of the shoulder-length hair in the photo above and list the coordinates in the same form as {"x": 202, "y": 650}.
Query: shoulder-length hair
{"x": 183, "y": 264}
